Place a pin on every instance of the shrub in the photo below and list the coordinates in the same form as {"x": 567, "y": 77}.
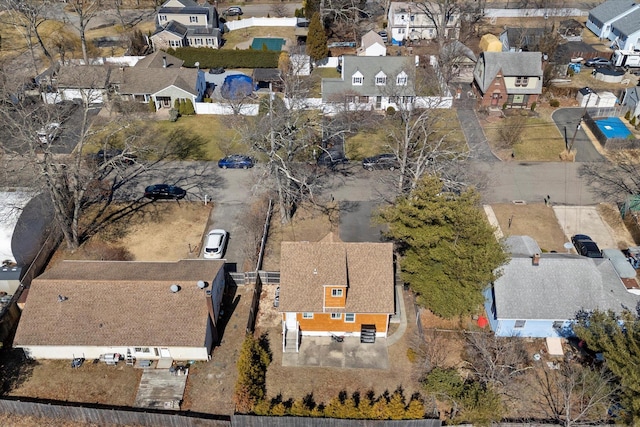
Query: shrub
{"x": 173, "y": 115}
{"x": 554, "y": 103}
{"x": 176, "y": 105}
{"x": 189, "y": 110}
{"x": 412, "y": 355}
{"x": 152, "y": 106}
{"x": 299, "y": 13}
{"x": 533, "y": 106}
{"x": 390, "y": 111}
{"x": 627, "y": 115}
{"x": 504, "y": 106}
{"x": 252, "y": 366}
{"x": 632, "y": 122}
{"x": 213, "y": 58}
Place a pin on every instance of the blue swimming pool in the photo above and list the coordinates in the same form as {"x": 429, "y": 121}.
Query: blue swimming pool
{"x": 268, "y": 43}
{"x": 613, "y": 127}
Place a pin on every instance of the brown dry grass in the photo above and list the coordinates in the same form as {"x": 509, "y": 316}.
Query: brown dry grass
{"x": 535, "y": 220}
{"x": 611, "y": 216}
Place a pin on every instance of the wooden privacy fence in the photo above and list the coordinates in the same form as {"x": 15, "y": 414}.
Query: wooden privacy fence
{"x": 105, "y": 415}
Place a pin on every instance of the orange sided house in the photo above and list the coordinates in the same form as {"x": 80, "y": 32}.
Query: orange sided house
{"x": 127, "y": 310}
{"x": 335, "y": 288}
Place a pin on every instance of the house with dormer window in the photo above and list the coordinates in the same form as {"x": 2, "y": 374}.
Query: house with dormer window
{"x": 508, "y": 79}
{"x": 408, "y": 21}
{"x": 371, "y": 82}
{"x": 183, "y": 23}
{"x": 606, "y": 16}
{"x": 332, "y": 287}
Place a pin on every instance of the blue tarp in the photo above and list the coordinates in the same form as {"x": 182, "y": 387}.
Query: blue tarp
{"x": 613, "y": 127}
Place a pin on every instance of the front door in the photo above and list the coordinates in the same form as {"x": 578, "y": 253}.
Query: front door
{"x": 291, "y": 320}
{"x": 378, "y": 102}
{"x": 495, "y": 98}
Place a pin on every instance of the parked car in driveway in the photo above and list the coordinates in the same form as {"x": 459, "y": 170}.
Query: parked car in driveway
{"x": 236, "y": 161}
{"x": 597, "y": 62}
{"x": 381, "y": 161}
{"x": 215, "y": 244}
{"x": 585, "y": 246}
{"x": 164, "y": 191}
{"x": 332, "y": 159}
{"x": 233, "y": 11}
{"x": 49, "y": 132}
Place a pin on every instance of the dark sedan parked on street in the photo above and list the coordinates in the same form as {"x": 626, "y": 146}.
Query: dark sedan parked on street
{"x": 164, "y": 191}
{"x": 585, "y": 246}
{"x": 237, "y": 161}
{"x": 381, "y": 161}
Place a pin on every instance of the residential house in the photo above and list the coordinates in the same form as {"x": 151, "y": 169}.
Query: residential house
{"x": 86, "y": 84}
{"x": 631, "y": 102}
{"x": 372, "y": 44}
{"x": 460, "y": 61}
{"x": 513, "y": 79}
{"x": 161, "y": 311}
{"x": 332, "y": 287}
{"x": 186, "y": 23}
{"x": 518, "y": 39}
{"x": 603, "y": 17}
{"x": 408, "y": 21}
{"x": 625, "y": 32}
{"x": 374, "y": 82}
{"x": 539, "y": 294}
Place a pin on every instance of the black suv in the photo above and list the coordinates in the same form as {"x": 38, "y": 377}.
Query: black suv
{"x": 585, "y": 246}
{"x": 164, "y": 191}
{"x": 332, "y": 158}
{"x": 381, "y": 161}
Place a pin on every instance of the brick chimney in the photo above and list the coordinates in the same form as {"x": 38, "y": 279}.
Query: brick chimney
{"x": 536, "y": 259}
{"x": 212, "y": 315}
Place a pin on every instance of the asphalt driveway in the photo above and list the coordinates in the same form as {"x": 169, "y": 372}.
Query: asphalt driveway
{"x": 567, "y": 120}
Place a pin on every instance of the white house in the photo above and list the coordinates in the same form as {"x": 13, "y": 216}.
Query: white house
{"x": 186, "y": 23}
{"x": 152, "y": 310}
{"x": 407, "y": 21}
{"x": 625, "y": 32}
{"x": 631, "y": 101}
{"x": 372, "y": 44}
{"x": 602, "y": 17}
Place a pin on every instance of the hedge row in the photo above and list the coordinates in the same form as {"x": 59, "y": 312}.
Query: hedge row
{"x": 212, "y": 58}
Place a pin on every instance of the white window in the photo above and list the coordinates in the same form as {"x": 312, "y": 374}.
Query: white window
{"x": 307, "y": 315}
{"x": 174, "y": 43}
{"x": 336, "y": 316}
{"x": 142, "y": 350}
{"x": 402, "y": 79}
{"x": 401, "y": 31}
{"x": 336, "y": 292}
{"x": 381, "y": 79}
{"x": 163, "y": 18}
{"x": 193, "y": 19}
{"x": 349, "y": 317}
{"x": 522, "y": 81}
{"x": 520, "y": 323}
{"x": 357, "y": 79}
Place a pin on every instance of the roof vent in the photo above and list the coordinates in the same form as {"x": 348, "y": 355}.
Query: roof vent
{"x": 536, "y": 259}
{"x": 174, "y": 288}
{"x": 315, "y": 271}
{"x": 62, "y": 298}
{"x": 202, "y": 284}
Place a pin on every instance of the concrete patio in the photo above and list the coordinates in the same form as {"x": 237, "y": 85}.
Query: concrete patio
{"x": 350, "y": 354}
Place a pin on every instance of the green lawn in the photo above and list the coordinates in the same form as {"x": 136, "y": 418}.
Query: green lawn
{"x": 221, "y": 133}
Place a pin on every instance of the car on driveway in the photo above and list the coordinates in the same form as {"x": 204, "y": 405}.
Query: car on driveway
{"x": 585, "y": 246}
{"x": 381, "y": 161}
{"x": 49, "y": 132}
{"x": 332, "y": 158}
{"x": 233, "y": 11}
{"x": 597, "y": 62}
{"x": 215, "y": 244}
{"x": 236, "y": 161}
{"x": 164, "y": 191}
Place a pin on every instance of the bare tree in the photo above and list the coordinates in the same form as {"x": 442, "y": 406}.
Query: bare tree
{"x": 238, "y": 94}
{"x": 572, "y": 394}
{"x": 616, "y": 179}
{"x": 28, "y": 17}
{"x": 495, "y": 360}
{"x": 347, "y": 11}
{"x": 86, "y": 11}
{"x": 279, "y": 10}
{"x": 510, "y": 131}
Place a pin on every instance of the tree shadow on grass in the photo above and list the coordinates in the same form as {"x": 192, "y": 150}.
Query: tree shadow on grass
{"x": 15, "y": 369}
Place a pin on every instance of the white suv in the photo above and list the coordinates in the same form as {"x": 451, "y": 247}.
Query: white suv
{"x": 214, "y": 246}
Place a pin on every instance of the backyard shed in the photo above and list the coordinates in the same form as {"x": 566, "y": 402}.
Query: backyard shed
{"x": 490, "y": 43}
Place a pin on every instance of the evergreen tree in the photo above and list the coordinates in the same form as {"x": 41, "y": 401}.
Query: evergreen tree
{"x": 252, "y": 371}
{"x": 152, "y": 106}
{"x": 189, "y": 110}
{"x": 448, "y": 249}
{"x": 176, "y": 105}
{"x": 618, "y": 339}
{"x": 311, "y": 7}
{"x": 396, "y": 406}
{"x": 317, "y": 39}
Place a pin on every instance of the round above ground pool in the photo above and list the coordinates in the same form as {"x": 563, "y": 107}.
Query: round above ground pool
{"x": 608, "y": 75}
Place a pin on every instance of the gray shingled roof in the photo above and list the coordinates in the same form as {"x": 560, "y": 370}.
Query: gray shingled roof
{"x": 366, "y": 269}
{"x": 522, "y": 246}
{"x": 173, "y": 27}
{"x": 559, "y": 287}
{"x": 370, "y": 39}
{"x": 83, "y": 76}
{"x": 155, "y": 60}
{"x": 142, "y": 80}
{"x": 628, "y": 24}
{"x": 118, "y": 303}
{"x": 512, "y": 64}
{"x": 610, "y": 9}
{"x": 369, "y": 66}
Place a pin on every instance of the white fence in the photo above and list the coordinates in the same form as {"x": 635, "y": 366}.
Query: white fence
{"x": 225, "y": 109}
{"x": 330, "y": 62}
{"x": 261, "y": 22}
{"x": 539, "y": 13}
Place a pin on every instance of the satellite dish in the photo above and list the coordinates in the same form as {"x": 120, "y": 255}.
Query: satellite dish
{"x": 568, "y": 246}
{"x": 174, "y": 288}
{"x": 197, "y": 64}
{"x": 202, "y": 284}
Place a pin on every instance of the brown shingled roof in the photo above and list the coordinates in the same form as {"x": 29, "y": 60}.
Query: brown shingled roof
{"x": 142, "y": 80}
{"x": 155, "y": 60}
{"x": 118, "y": 304}
{"x": 366, "y": 268}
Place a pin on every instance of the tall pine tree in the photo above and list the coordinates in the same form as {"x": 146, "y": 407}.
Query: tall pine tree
{"x": 317, "y": 39}
{"x": 448, "y": 250}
